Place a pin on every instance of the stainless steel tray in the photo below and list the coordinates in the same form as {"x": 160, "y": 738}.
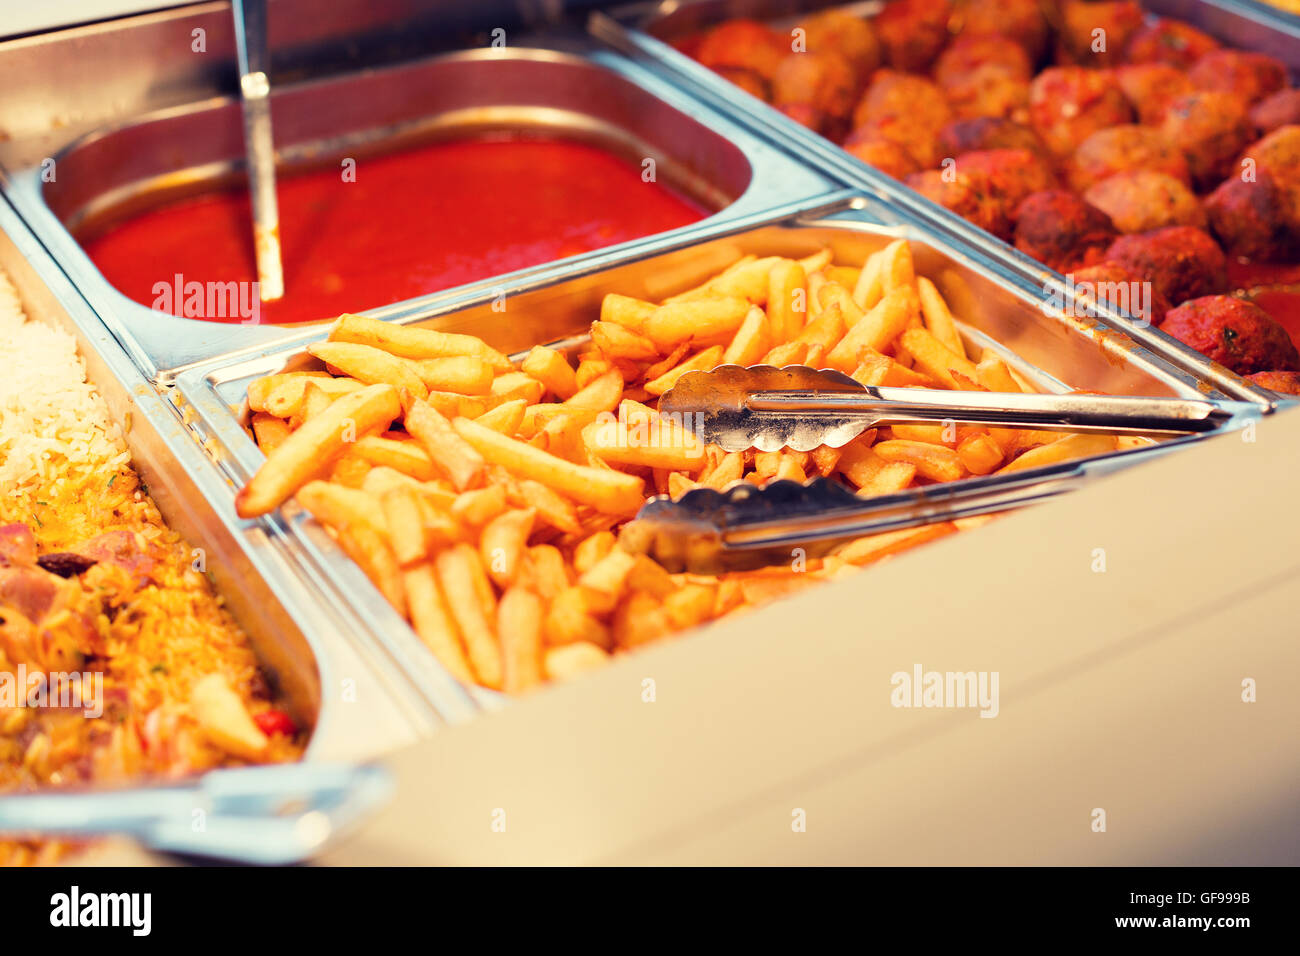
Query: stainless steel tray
{"x": 1058, "y": 352}
{"x": 641, "y": 30}
{"x": 563, "y": 82}
{"x": 310, "y": 657}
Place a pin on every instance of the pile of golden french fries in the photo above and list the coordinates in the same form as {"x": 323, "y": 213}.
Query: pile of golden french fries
{"x": 483, "y": 498}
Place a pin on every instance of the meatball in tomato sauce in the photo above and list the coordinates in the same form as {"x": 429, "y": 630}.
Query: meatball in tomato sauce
{"x": 1069, "y": 103}
{"x": 1248, "y": 76}
{"x": 1182, "y": 262}
{"x": 1237, "y": 334}
{"x": 1122, "y": 148}
{"x": 1139, "y": 200}
{"x": 1061, "y": 230}
{"x": 1169, "y": 41}
{"x": 1211, "y": 129}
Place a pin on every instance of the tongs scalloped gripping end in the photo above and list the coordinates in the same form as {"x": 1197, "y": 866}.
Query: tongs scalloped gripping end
{"x": 716, "y": 405}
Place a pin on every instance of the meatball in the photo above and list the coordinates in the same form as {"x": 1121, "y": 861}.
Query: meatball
{"x": 987, "y": 132}
{"x": 970, "y": 52}
{"x": 1121, "y": 148}
{"x": 1151, "y": 87}
{"x": 1021, "y": 21}
{"x": 1011, "y": 174}
{"x": 913, "y": 32}
{"x": 1278, "y": 152}
{"x": 1253, "y": 219}
{"x": 1080, "y": 20}
{"x": 1280, "y": 109}
{"x": 1069, "y": 103}
{"x": 1211, "y": 129}
{"x": 1169, "y": 41}
{"x": 1233, "y": 332}
{"x": 743, "y": 44}
{"x": 834, "y": 31}
{"x": 1061, "y": 230}
{"x": 908, "y": 109}
{"x": 1139, "y": 200}
{"x": 823, "y": 84}
{"x": 1123, "y": 289}
{"x": 1181, "y": 262}
{"x": 965, "y": 196}
{"x": 1248, "y": 76}
{"x": 875, "y": 149}
{"x": 1288, "y": 383}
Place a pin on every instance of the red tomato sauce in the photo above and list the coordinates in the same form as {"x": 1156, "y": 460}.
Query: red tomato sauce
{"x": 1274, "y": 288}
{"x": 412, "y": 222}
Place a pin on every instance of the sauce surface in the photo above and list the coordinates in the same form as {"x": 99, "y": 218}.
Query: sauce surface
{"x": 412, "y": 222}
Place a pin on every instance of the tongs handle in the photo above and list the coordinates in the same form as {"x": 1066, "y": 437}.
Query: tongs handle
{"x": 1071, "y": 412}
{"x": 268, "y": 815}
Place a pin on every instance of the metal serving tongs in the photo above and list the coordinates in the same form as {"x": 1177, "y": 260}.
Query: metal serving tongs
{"x": 269, "y": 815}
{"x": 745, "y": 527}
{"x": 259, "y": 145}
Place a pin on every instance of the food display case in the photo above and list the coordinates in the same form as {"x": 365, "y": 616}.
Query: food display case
{"x": 367, "y": 83}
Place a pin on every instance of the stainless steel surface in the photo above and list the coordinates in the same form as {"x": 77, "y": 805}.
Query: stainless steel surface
{"x": 259, "y": 143}
{"x": 568, "y": 84}
{"x": 357, "y": 707}
{"x": 642, "y": 29}
{"x": 1054, "y": 352}
{"x": 270, "y": 816}
{"x": 744, "y": 528}
{"x": 767, "y": 408}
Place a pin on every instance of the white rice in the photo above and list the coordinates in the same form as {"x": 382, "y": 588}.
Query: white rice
{"x": 52, "y": 421}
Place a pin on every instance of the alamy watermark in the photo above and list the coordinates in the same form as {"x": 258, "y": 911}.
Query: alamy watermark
{"x": 209, "y": 300}
{"x": 1084, "y": 299}
{"x": 83, "y": 691}
{"x": 947, "y": 689}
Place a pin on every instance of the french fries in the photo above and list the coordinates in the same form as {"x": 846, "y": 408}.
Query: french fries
{"x": 484, "y": 500}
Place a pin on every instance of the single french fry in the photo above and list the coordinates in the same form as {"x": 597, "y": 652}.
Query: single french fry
{"x": 551, "y": 507}
{"x": 455, "y": 405}
{"x": 370, "y": 550}
{"x": 316, "y": 445}
{"x": 573, "y": 660}
{"x": 938, "y": 319}
{"x": 701, "y": 361}
{"x": 617, "y": 341}
{"x": 480, "y": 505}
{"x": 832, "y": 293}
{"x": 789, "y": 353}
{"x": 787, "y": 300}
{"x": 980, "y": 453}
{"x": 1063, "y": 449}
{"x": 432, "y": 621}
{"x": 873, "y": 368}
{"x": 610, "y": 491}
{"x": 728, "y": 470}
{"x": 639, "y": 620}
{"x": 646, "y": 440}
{"x": 408, "y": 457}
{"x": 408, "y": 342}
{"x": 269, "y": 430}
{"x": 825, "y": 459}
{"x": 869, "y": 289}
{"x": 519, "y": 623}
{"x": 876, "y": 546}
{"x": 405, "y": 523}
{"x": 751, "y": 340}
{"x": 936, "y": 462}
{"x": 876, "y": 329}
{"x": 935, "y": 359}
{"x": 506, "y": 418}
{"x": 896, "y": 270}
{"x": 515, "y": 385}
{"x": 463, "y": 582}
{"x": 549, "y": 575}
{"x": 457, "y": 459}
{"x": 504, "y": 542}
{"x": 552, "y": 369}
{"x": 993, "y": 374}
{"x": 462, "y": 374}
{"x": 625, "y": 311}
{"x": 816, "y": 262}
{"x": 259, "y": 389}
{"x": 609, "y": 575}
{"x": 824, "y": 330}
{"x": 338, "y": 506}
{"x": 601, "y": 394}
{"x": 700, "y": 319}
{"x": 690, "y": 605}
{"x": 370, "y": 365}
